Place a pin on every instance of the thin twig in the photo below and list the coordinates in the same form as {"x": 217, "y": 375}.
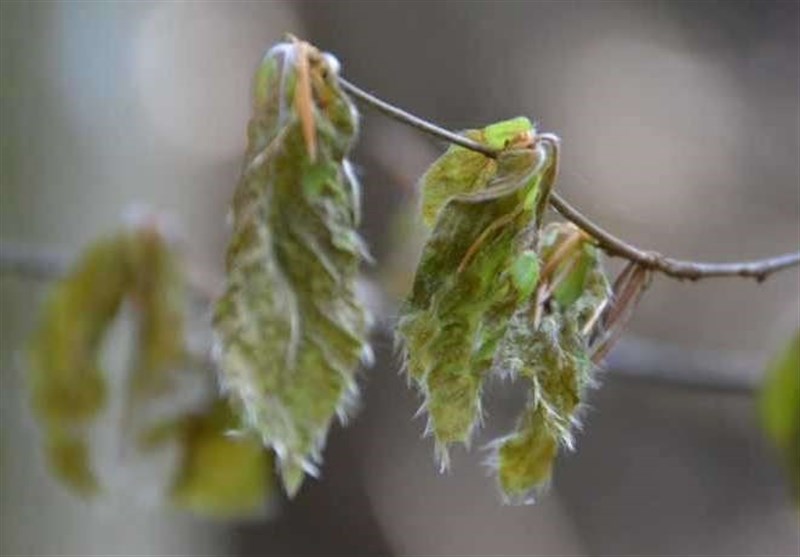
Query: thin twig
{"x": 635, "y": 358}
{"x": 680, "y": 269}
{"x": 692, "y": 270}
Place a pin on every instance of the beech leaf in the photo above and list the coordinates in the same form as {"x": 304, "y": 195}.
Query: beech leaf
{"x": 547, "y": 345}
{"x": 221, "y": 475}
{"x": 291, "y": 332}
{"x": 476, "y": 268}
{"x": 779, "y": 407}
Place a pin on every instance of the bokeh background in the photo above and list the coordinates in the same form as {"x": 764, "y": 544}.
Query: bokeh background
{"x": 681, "y": 130}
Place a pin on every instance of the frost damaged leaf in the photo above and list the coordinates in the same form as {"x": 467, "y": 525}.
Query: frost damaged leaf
{"x": 548, "y": 347}
{"x": 221, "y": 475}
{"x": 291, "y": 331}
{"x": 779, "y": 406}
{"x": 476, "y": 268}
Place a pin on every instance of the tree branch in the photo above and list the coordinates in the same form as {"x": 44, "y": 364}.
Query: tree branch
{"x": 684, "y": 270}
{"x": 632, "y": 358}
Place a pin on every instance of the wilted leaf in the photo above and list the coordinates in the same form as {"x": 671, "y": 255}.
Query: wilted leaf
{"x": 525, "y": 459}
{"x": 779, "y": 406}
{"x": 290, "y": 328}
{"x": 476, "y": 268}
{"x": 545, "y": 343}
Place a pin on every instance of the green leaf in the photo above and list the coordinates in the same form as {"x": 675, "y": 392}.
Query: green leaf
{"x": 221, "y": 475}
{"x": 157, "y": 293}
{"x": 779, "y": 406}
{"x": 525, "y": 459}
{"x": 572, "y": 269}
{"x": 475, "y": 270}
{"x": 545, "y": 344}
{"x": 291, "y": 331}
{"x": 460, "y": 170}
{"x": 67, "y": 386}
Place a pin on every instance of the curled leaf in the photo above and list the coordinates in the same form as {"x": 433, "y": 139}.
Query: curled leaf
{"x": 136, "y": 267}
{"x": 545, "y": 344}
{"x": 476, "y": 268}
{"x": 460, "y": 170}
{"x": 291, "y": 331}
{"x": 67, "y": 385}
{"x": 157, "y": 293}
{"x": 68, "y": 388}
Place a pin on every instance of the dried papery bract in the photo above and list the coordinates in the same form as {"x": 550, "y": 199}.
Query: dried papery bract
{"x": 545, "y": 345}
{"x": 628, "y": 289}
{"x": 476, "y": 268}
{"x": 291, "y": 332}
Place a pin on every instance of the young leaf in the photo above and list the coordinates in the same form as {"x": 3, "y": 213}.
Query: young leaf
{"x": 218, "y": 475}
{"x": 157, "y": 294}
{"x": 545, "y": 344}
{"x": 68, "y": 388}
{"x": 291, "y": 331}
{"x": 221, "y": 475}
{"x": 779, "y": 406}
{"x": 475, "y": 269}
{"x": 460, "y": 170}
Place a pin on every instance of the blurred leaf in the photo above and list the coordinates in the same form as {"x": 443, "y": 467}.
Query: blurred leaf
{"x": 158, "y": 294}
{"x": 291, "y": 330}
{"x": 68, "y": 389}
{"x": 525, "y": 459}
{"x": 68, "y": 456}
{"x": 779, "y": 406}
{"x": 475, "y": 270}
{"x": 221, "y": 475}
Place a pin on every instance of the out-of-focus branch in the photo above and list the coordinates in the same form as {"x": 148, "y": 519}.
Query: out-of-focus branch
{"x": 32, "y": 263}
{"x": 36, "y": 263}
{"x": 635, "y": 358}
{"x": 676, "y": 268}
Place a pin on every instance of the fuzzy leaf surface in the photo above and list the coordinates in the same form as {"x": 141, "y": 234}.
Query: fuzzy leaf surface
{"x": 291, "y": 331}
{"x": 460, "y": 170}
{"x": 476, "y": 268}
{"x": 553, "y": 357}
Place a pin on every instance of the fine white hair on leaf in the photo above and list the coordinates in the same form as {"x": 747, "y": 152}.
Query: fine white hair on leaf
{"x": 292, "y": 323}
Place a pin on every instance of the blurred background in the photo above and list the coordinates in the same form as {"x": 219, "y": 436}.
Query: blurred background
{"x": 680, "y": 124}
